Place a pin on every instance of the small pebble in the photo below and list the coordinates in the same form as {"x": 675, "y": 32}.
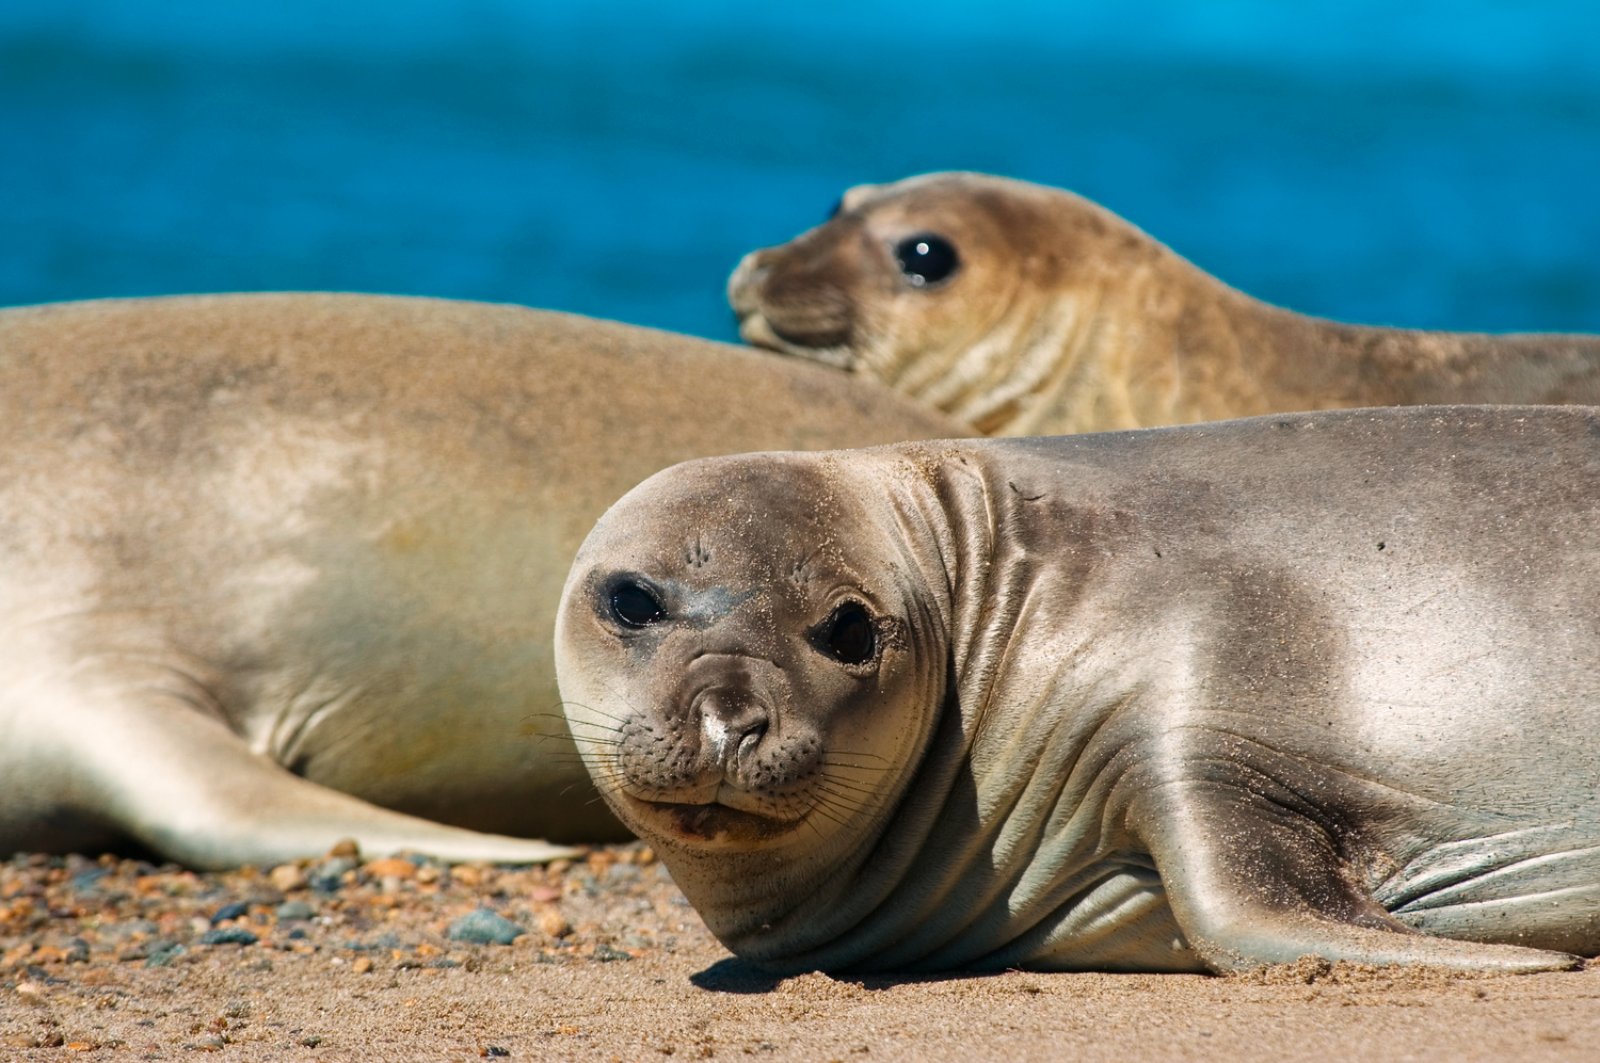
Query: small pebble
{"x": 292, "y": 911}
{"x": 328, "y": 876}
{"x": 484, "y": 927}
{"x": 233, "y": 935}
{"x": 161, "y": 954}
{"x": 288, "y": 877}
{"x": 391, "y": 867}
{"x": 552, "y": 923}
{"x": 229, "y": 911}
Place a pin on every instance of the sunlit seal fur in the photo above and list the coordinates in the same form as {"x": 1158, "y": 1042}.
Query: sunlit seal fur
{"x": 268, "y": 563}
{"x": 1037, "y": 312}
{"x": 1186, "y": 699}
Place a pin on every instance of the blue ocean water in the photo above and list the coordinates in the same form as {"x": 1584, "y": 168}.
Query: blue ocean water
{"x": 1433, "y": 166}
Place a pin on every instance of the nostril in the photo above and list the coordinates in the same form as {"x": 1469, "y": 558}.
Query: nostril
{"x": 752, "y": 738}
{"x": 748, "y": 724}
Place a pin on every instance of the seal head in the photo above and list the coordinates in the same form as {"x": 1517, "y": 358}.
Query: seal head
{"x": 761, "y": 679}
{"x": 1026, "y": 310}
{"x": 961, "y": 290}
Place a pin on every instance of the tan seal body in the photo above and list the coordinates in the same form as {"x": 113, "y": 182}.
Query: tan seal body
{"x": 1036, "y": 311}
{"x": 270, "y": 562}
{"x": 1181, "y": 699}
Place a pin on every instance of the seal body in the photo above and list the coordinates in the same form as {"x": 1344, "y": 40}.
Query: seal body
{"x": 270, "y": 562}
{"x": 1196, "y": 698}
{"x": 1025, "y": 310}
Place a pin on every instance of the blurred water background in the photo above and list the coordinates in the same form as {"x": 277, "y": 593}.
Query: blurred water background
{"x": 1432, "y": 164}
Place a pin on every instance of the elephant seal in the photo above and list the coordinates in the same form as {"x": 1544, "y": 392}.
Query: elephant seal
{"x": 1025, "y": 310}
{"x": 269, "y": 562}
{"x": 1180, "y": 699}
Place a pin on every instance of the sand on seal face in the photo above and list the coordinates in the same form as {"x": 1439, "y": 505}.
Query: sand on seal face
{"x": 353, "y": 959}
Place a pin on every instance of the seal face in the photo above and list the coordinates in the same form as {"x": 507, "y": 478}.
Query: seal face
{"x": 1026, "y": 310}
{"x": 1191, "y": 699}
{"x": 793, "y": 699}
{"x": 281, "y": 570}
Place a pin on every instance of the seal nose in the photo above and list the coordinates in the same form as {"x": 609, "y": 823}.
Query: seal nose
{"x": 744, "y": 283}
{"x": 732, "y": 723}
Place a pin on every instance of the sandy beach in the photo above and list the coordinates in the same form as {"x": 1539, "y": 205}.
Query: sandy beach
{"x": 344, "y": 959}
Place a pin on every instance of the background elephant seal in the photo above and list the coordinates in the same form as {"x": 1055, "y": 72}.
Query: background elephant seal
{"x": 1195, "y": 698}
{"x": 1024, "y": 310}
{"x": 270, "y": 562}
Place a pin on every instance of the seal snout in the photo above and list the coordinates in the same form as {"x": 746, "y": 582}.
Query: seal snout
{"x": 744, "y": 285}
{"x": 732, "y": 724}
{"x": 790, "y": 299}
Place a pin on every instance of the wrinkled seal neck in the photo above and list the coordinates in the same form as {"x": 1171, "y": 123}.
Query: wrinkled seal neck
{"x": 798, "y": 907}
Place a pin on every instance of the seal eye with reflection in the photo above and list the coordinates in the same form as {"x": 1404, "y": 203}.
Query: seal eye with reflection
{"x": 634, "y": 605}
{"x": 926, "y": 258}
{"x": 848, "y": 636}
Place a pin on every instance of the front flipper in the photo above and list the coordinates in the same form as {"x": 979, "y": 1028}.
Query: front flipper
{"x": 186, "y": 786}
{"x": 1254, "y": 882}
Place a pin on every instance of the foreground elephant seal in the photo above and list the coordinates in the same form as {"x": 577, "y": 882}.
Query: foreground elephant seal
{"x": 1195, "y": 698}
{"x": 1026, "y": 310}
{"x": 269, "y": 562}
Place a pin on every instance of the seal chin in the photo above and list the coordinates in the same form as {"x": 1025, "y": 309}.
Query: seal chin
{"x": 754, "y": 330}
{"x": 714, "y": 825}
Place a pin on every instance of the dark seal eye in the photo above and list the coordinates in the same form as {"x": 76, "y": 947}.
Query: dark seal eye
{"x": 847, "y": 636}
{"x": 634, "y": 605}
{"x": 926, "y": 258}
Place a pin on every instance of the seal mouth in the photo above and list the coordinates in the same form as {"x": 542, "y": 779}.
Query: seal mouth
{"x": 831, "y": 349}
{"x": 714, "y": 823}
{"x": 824, "y": 341}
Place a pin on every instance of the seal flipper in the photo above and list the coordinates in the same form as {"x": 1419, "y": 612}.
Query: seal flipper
{"x": 184, "y": 785}
{"x": 1253, "y": 883}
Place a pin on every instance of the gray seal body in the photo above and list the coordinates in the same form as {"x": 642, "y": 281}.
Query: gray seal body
{"x": 268, "y": 563}
{"x": 1182, "y": 699}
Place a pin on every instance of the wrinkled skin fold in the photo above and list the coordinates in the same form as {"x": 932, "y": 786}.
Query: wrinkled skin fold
{"x": 1187, "y": 699}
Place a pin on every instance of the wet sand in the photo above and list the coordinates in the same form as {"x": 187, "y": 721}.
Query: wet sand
{"x": 340, "y": 959}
